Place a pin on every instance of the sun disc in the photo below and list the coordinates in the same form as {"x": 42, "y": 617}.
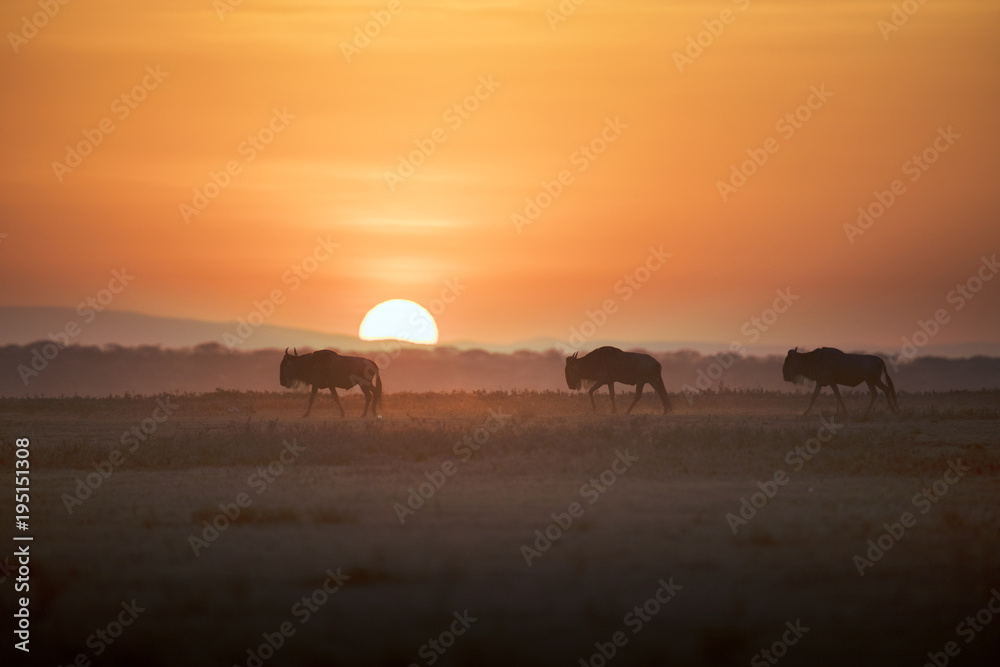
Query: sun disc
{"x": 399, "y": 319}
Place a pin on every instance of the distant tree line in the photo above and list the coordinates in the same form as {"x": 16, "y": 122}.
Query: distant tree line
{"x": 112, "y": 369}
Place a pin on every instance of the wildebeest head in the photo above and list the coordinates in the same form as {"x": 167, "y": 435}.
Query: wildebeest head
{"x": 288, "y": 375}
{"x": 792, "y": 368}
{"x": 572, "y": 372}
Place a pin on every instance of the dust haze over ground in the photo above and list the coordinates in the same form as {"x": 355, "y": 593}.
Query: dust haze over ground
{"x": 500, "y": 528}
{"x": 115, "y": 370}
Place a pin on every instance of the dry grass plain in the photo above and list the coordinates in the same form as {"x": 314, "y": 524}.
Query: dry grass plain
{"x": 331, "y": 507}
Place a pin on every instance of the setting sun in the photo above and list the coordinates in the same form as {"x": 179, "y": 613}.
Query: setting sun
{"x": 399, "y": 319}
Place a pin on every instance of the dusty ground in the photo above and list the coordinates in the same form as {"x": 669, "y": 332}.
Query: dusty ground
{"x": 660, "y": 518}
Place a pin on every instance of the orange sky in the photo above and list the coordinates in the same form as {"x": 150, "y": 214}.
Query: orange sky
{"x": 336, "y": 127}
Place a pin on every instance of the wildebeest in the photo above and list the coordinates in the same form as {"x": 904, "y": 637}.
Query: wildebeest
{"x": 830, "y": 366}
{"x": 325, "y": 369}
{"x": 607, "y": 365}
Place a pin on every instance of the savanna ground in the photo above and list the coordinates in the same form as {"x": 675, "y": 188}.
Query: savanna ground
{"x": 333, "y": 507}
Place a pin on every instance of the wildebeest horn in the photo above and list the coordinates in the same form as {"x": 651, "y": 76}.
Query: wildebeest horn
{"x": 574, "y": 355}
{"x": 286, "y": 350}
{"x": 296, "y": 351}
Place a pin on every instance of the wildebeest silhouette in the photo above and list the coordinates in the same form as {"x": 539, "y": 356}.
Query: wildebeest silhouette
{"x": 607, "y": 365}
{"x": 830, "y": 366}
{"x": 325, "y": 369}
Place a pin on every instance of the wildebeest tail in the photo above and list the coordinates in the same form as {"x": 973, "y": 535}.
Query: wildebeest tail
{"x": 892, "y": 388}
{"x": 662, "y": 393}
{"x": 378, "y": 391}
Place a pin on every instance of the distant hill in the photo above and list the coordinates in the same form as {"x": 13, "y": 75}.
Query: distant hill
{"x": 22, "y": 325}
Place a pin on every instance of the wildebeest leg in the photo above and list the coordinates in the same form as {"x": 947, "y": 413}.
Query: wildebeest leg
{"x": 885, "y": 390}
{"x": 590, "y": 392}
{"x": 312, "y": 397}
{"x": 336, "y": 399}
{"x": 836, "y": 392}
{"x": 368, "y": 399}
{"x": 638, "y": 395}
{"x": 819, "y": 387}
{"x": 871, "y": 403}
{"x": 611, "y": 390}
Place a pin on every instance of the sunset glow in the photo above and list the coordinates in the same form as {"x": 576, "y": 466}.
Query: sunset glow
{"x": 527, "y": 323}
{"x": 532, "y": 154}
